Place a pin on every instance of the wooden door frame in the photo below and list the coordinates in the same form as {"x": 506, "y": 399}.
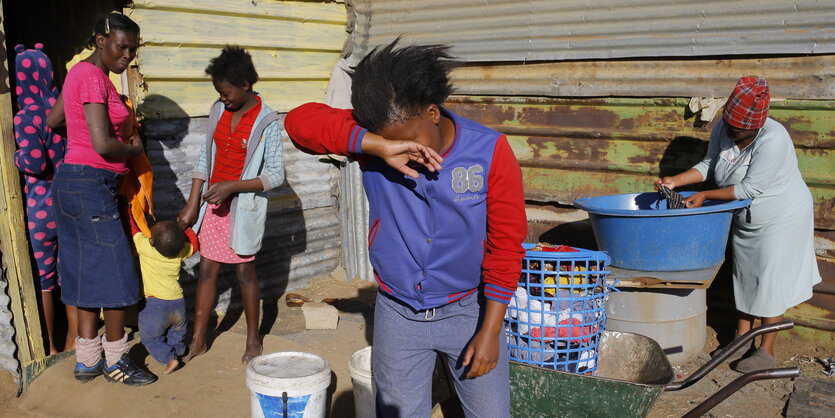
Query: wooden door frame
{"x": 14, "y": 242}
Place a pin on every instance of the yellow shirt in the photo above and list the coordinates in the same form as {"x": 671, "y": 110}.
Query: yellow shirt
{"x": 160, "y": 274}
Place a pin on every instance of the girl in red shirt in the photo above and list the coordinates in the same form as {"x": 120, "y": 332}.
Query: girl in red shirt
{"x": 243, "y": 134}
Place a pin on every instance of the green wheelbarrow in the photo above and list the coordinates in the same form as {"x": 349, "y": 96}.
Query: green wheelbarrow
{"x": 632, "y": 372}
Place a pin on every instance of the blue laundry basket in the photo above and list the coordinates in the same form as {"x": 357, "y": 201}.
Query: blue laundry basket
{"x": 557, "y": 315}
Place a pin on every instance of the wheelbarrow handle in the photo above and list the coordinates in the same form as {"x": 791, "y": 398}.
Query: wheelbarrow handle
{"x": 737, "y": 384}
{"x": 733, "y": 347}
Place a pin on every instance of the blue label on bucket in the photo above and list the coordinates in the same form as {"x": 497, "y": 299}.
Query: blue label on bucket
{"x": 273, "y": 406}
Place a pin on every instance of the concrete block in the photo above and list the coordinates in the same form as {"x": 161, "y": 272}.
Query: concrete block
{"x": 340, "y": 274}
{"x": 320, "y": 316}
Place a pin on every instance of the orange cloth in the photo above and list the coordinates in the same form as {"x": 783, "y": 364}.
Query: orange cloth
{"x": 137, "y": 185}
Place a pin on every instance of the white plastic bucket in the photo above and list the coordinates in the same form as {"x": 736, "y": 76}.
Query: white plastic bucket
{"x": 295, "y": 379}
{"x": 364, "y": 390}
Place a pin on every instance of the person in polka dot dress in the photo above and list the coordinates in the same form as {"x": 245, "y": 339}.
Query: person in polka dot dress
{"x": 40, "y": 151}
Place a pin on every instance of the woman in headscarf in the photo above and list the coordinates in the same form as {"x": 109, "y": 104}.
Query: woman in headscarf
{"x": 751, "y": 156}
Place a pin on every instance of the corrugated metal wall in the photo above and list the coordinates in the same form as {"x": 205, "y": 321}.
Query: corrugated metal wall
{"x": 480, "y": 33}
{"x": 524, "y": 31}
{"x": 8, "y": 361}
{"x": 353, "y": 212}
{"x": 583, "y": 124}
{"x": 294, "y": 47}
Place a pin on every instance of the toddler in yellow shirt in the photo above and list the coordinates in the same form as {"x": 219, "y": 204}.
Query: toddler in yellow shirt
{"x": 162, "y": 321}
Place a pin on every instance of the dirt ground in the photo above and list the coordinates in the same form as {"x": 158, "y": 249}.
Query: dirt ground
{"x": 214, "y": 384}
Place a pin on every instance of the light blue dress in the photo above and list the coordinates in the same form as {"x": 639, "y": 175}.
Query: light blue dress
{"x": 773, "y": 241}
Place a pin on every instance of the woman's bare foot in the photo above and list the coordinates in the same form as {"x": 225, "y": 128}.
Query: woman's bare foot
{"x": 195, "y": 349}
{"x": 253, "y": 349}
{"x": 171, "y": 366}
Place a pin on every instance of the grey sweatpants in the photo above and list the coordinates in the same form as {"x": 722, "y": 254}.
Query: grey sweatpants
{"x": 406, "y": 343}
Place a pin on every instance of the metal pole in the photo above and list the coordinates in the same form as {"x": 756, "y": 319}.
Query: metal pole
{"x": 730, "y": 349}
{"x": 737, "y": 384}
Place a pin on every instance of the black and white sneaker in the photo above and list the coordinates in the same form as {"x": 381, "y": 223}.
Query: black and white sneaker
{"x": 128, "y": 372}
{"x": 85, "y": 374}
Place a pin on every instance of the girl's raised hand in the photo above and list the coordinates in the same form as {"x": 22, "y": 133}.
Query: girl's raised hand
{"x": 402, "y": 155}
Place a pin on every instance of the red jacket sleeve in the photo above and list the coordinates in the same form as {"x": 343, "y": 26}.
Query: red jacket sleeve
{"x": 507, "y": 225}
{"x": 317, "y": 128}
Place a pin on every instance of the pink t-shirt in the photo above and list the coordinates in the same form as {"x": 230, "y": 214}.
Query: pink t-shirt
{"x": 86, "y": 83}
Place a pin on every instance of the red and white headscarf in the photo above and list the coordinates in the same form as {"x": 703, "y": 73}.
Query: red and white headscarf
{"x": 747, "y": 107}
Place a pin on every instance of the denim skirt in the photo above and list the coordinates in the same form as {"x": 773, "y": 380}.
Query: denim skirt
{"x": 95, "y": 262}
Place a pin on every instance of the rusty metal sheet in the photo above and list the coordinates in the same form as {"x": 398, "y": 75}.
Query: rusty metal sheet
{"x": 810, "y": 77}
{"x": 526, "y": 31}
{"x": 818, "y": 313}
{"x": 572, "y": 148}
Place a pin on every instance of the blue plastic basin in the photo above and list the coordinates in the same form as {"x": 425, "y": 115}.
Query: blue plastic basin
{"x": 640, "y": 233}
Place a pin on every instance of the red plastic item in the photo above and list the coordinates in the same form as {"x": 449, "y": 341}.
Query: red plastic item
{"x": 550, "y": 248}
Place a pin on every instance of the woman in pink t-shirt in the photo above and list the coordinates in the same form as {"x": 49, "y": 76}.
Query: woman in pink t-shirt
{"x": 95, "y": 259}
